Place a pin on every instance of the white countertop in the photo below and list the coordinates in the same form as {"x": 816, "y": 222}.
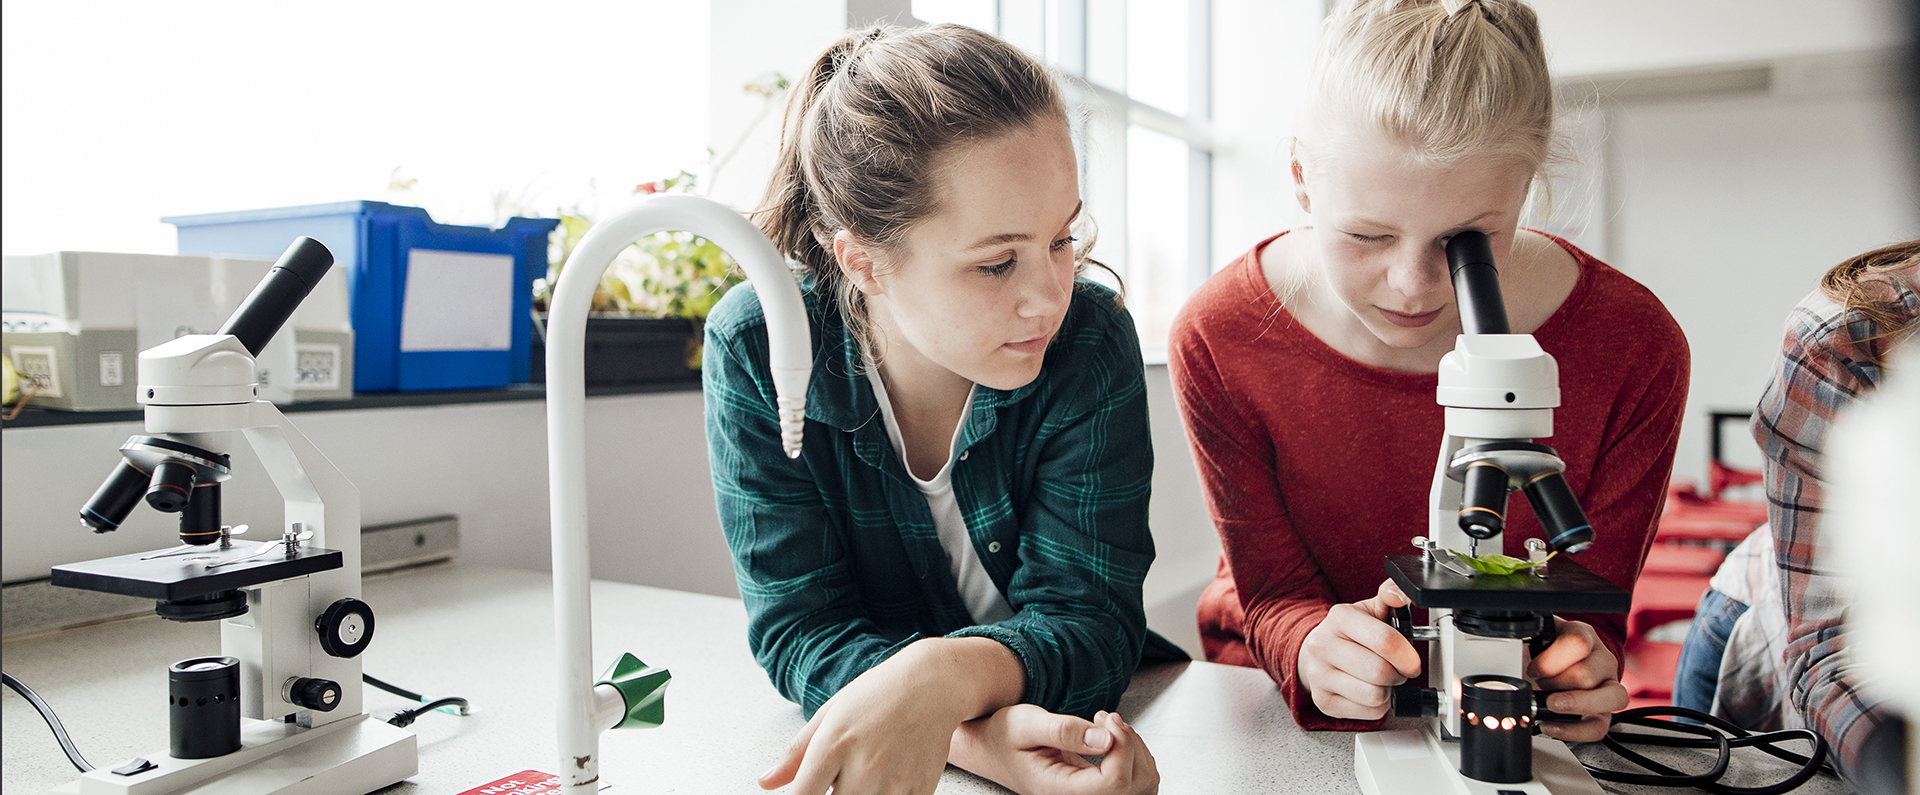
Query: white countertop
{"x": 486, "y": 633}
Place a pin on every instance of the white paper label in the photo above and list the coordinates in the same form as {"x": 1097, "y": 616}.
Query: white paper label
{"x": 110, "y": 369}
{"x": 317, "y": 366}
{"x": 36, "y": 363}
{"x": 457, "y": 301}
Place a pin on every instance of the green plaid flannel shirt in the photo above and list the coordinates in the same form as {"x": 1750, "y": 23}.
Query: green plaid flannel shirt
{"x": 836, "y": 553}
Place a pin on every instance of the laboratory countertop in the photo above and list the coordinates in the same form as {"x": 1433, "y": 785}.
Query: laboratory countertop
{"x": 486, "y": 634}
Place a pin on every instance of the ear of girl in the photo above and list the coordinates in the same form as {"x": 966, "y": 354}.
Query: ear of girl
{"x": 1305, "y": 370}
{"x": 952, "y": 572}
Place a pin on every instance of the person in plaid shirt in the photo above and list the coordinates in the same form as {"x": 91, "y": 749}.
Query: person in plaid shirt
{"x": 952, "y": 569}
{"x": 1837, "y": 341}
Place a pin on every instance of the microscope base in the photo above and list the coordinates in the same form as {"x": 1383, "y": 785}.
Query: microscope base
{"x": 1417, "y": 761}
{"x": 349, "y": 756}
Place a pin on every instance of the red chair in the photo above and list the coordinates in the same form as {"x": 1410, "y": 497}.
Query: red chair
{"x": 1694, "y": 535}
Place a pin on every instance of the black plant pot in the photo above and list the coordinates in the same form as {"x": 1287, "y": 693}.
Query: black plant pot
{"x": 623, "y": 351}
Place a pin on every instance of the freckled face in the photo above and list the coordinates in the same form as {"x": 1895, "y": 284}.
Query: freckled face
{"x": 1381, "y": 221}
{"x": 980, "y": 287}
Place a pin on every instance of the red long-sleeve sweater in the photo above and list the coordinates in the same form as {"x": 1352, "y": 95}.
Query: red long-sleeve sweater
{"x": 1316, "y": 465}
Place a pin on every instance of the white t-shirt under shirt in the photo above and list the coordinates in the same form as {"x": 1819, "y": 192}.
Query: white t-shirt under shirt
{"x": 983, "y": 599}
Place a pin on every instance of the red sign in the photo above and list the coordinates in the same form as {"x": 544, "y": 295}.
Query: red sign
{"x": 525, "y": 782}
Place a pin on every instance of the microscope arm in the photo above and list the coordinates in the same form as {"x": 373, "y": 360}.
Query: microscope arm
{"x": 585, "y": 705}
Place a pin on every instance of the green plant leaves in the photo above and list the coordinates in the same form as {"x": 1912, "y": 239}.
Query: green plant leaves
{"x": 1499, "y": 564}
{"x": 667, "y": 274}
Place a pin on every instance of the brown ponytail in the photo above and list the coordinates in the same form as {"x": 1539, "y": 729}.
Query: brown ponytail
{"x": 865, "y": 127}
{"x": 1862, "y": 285}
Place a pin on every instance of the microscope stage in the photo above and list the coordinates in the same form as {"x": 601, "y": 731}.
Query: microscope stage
{"x": 1568, "y": 587}
{"x": 186, "y": 576}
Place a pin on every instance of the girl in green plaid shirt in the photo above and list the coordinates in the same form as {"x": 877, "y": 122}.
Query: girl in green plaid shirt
{"x": 952, "y": 570}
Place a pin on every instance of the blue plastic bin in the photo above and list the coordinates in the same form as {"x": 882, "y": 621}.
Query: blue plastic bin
{"x": 374, "y": 242}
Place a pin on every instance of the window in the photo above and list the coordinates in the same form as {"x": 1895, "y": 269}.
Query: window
{"x": 1142, "y": 100}
{"x": 114, "y": 119}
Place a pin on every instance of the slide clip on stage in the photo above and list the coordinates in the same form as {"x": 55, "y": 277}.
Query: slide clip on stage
{"x": 1499, "y": 390}
{"x": 279, "y": 709}
{"x": 629, "y": 693}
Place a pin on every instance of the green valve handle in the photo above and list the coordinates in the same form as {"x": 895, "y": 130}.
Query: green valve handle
{"x": 643, "y": 687}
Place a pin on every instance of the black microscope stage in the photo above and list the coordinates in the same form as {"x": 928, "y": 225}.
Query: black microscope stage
{"x": 1568, "y": 588}
{"x": 180, "y": 577}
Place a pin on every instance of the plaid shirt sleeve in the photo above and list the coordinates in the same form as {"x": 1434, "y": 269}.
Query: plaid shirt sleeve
{"x": 1084, "y": 543}
{"x": 806, "y": 625}
{"x": 1821, "y": 370}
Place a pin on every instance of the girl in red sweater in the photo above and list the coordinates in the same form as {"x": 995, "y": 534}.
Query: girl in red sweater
{"x": 1306, "y": 369}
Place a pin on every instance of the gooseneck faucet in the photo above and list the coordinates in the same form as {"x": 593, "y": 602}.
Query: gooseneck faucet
{"x": 629, "y": 694}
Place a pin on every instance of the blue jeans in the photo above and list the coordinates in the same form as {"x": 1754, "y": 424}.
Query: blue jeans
{"x": 1697, "y": 675}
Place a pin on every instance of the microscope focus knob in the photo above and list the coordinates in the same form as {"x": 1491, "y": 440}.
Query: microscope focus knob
{"x": 319, "y": 695}
{"x": 1401, "y": 619}
{"x": 1413, "y": 701}
{"x": 345, "y": 627}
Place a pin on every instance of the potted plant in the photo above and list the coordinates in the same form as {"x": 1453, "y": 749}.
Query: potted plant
{"x": 650, "y": 306}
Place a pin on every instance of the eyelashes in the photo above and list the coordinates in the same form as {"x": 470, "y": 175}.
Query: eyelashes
{"x": 1003, "y": 268}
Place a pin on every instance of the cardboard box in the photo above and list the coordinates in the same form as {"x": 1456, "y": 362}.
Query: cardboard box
{"x": 75, "y": 322}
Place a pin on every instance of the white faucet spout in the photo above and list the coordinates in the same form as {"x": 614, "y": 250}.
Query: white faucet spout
{"x": 790, "y": 351}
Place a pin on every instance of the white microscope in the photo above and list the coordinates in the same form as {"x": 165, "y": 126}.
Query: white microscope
{"x": 279, "y": 710}
{"x": 1499, "y": 390}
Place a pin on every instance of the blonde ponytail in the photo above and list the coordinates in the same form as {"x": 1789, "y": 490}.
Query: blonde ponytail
{"x": 1444, "y": 78}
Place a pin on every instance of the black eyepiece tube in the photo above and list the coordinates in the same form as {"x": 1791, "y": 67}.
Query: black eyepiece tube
{"x": 1561, "y": 519}
{"x": 1476, "y": 284}
{"x": 117, "y": 497}
{"x": 1483, "y": 504}
{"x": 275, "y": 297}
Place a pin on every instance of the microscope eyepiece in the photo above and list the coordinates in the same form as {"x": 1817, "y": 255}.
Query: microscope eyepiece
{"x": 1476, "y": 284}
{"x": 276, "y": 296}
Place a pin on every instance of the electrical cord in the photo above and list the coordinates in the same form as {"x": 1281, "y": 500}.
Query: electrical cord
{"x": 53, "y": 721}
{"x": 1714, "y": 733}
{"x": 406, "y": 717}
{"x": 394, "y": 689}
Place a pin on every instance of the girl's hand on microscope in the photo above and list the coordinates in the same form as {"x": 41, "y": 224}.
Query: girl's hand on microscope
{"x": 889, "y": 731}
{"x": 1353, "y": 656}
{"x": 1035, "y": 752}
{"x": 1587, "y": 678}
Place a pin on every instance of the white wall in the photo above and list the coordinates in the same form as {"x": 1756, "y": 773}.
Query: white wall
{"x": 753, "y": 38}
{"x": 1585, "y": 37}
{"x": 651, "y": 508}
{"x": 1730, "y": 208}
